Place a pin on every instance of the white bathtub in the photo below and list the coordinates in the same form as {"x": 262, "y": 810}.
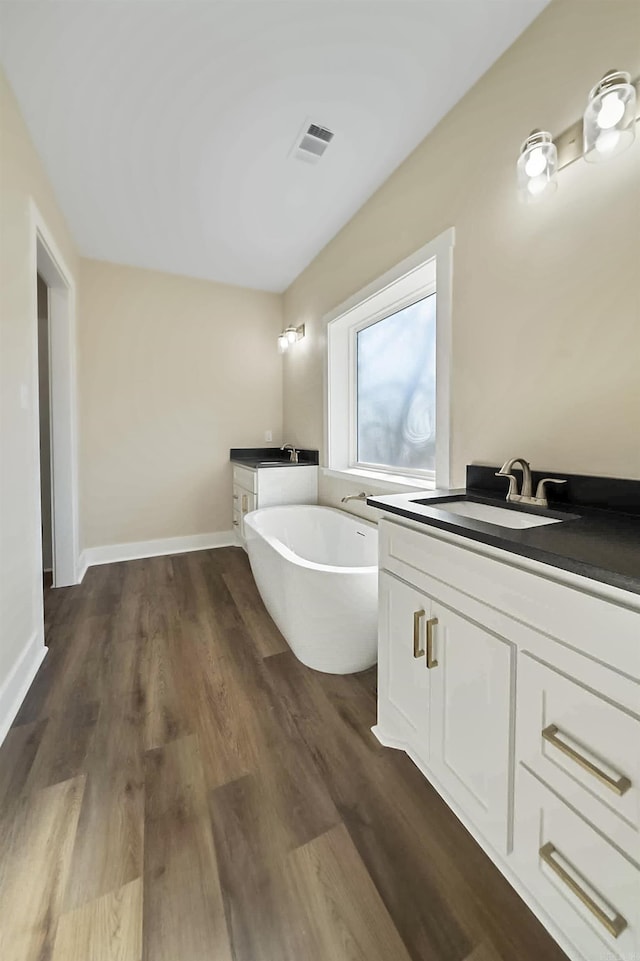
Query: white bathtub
{"x": 317, "y": 571}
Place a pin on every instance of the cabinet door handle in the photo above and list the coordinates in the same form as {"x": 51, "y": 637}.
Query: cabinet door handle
{"x": 615, "y": 925}
{"x": 235, "y": 497}
{"x": 431, "y": 661}
{"x": 245, "y": 503}
{"x": 618, "y": 785}
{"x": 417, "y": 650}
{"x": 235, "y": 524}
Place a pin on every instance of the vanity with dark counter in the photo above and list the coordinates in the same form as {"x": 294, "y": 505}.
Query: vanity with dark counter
{"x": 591, "y": 526}
{"x": 271, "y": 477}
{"x": 509, "y": 671}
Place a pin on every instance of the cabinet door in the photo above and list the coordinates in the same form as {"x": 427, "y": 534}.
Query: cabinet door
{"x": 403, "y": 697}
{"x": 247, "y": 504}
{"x": 472, "y": 721}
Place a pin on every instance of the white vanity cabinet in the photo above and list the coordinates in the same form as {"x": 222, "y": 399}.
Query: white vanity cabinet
{"x": 255, "y": 487}
{"x": 245, "y": 499}
{"x": 515, "y": 689}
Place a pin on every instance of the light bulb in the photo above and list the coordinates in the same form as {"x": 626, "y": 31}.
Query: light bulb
{"x": 292, "y": 335}
{"x": 607, "y": 141}
{"x": 283, "y": 343}
{"x": 611, "y": 111}
{"x": 537, "y": 185}
{"x": 536, "y": 166}
{"x": 536, "y": 163}
{"x": 609, "y": 125}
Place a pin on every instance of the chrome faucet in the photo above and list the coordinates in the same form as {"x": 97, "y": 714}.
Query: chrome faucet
{"x": 525, "y": 495}
{"x": 362, "y": 496}
{"x": 293, "y": 453}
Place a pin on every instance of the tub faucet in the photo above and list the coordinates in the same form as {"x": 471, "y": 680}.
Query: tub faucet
{"x": 362, "y": 496}
{"x": 525, "y": 496}
{"x": 293, "y": 453}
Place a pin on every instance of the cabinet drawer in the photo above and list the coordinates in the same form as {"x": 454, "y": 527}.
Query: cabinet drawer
{"x": 246, "y": 478}
{"x": 589, "y": 889}
{"x": 584, "y": 746}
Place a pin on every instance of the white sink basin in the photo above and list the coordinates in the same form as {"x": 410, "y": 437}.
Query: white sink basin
{"x": 495, "y": 515}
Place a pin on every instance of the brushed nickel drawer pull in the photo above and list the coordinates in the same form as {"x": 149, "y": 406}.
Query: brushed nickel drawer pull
{"x": 431, "y": 661}
{"x": 618, "y": 785}
{"x": 615, "y": 926}
{"x": 417, "y": 650}
{"x": 235, "y": 524}
{"x": 235, "y": 497}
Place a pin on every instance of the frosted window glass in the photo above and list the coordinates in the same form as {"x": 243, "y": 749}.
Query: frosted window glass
{"x": 396, "y": 389}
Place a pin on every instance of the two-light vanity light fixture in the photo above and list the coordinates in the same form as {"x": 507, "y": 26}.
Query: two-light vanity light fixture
{"x": 290, "y": 336}
{"x": 607, "y": 128}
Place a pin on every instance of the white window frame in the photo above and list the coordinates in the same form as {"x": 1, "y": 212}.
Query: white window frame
{"x": 428, "y": 270}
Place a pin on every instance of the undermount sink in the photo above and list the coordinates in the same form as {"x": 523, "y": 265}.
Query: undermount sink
{"x": 496, "y": 515}
{"x": 267, "y": 463}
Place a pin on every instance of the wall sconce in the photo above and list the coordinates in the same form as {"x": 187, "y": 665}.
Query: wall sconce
{"x": 610, "y": 117}
{"x": 607, "y": 128}
{"x": 537, "y": 166}
{"x": 289, "y": 336}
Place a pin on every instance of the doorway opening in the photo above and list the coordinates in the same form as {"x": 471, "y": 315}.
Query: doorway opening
{"x": 44, "y": 413}
{"x": 54, "y": 347}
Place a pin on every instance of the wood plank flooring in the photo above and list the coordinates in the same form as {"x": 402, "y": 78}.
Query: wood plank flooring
{"x": 178, "y": 787}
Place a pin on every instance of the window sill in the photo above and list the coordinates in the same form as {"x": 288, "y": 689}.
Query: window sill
{"x": 382, "y": 481}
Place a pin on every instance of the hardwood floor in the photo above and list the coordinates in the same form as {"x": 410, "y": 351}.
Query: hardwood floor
{"x": 178, "y": 787}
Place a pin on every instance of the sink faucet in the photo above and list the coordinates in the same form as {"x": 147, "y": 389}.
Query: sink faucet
{"x": 362, "y": 496}
{"x": 525, "y": 495}
{"x": 293, "y": 453}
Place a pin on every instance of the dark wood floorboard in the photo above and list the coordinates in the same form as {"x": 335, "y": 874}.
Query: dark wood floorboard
{"x": 178, "y": 787}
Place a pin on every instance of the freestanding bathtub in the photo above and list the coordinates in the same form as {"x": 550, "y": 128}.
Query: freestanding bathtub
{"x": 317, "y": 572}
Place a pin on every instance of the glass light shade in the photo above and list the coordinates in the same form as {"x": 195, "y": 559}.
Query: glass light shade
{"x": 609, "y": 124}
{"x": 291, "y": 334}
{"x": 283, "y": 343}
{"x": 537, "y": 167}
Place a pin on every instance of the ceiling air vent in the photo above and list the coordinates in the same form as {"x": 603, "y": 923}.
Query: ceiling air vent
{"x": 312, "y": 143}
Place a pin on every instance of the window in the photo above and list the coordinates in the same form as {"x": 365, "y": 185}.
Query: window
{"x": 396, "y": 389}
{"x": 387, "y": 410}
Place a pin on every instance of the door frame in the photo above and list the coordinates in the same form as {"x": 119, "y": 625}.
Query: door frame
{"x": 47, "y": 260}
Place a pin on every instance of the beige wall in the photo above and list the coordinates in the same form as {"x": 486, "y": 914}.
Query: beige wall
{"x": 21, "y": 178}
{"x": 546, "y": 299}
{"x": 173, "y": 372}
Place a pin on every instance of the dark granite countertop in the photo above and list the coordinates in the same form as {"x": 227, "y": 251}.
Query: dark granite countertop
{"x": 594, "y": 540}
{"x": 254, "y": 457}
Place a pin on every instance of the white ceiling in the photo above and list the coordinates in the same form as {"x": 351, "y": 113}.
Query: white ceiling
{"x": 166, "y": 127}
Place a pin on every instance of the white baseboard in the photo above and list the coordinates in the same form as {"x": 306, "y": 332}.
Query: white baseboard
{"x": 18, "y": 682}
{"x": 81, "y": 569}
{"x": 111, "y": 553}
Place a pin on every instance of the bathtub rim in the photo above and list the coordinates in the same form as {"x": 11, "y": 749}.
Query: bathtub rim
{"x": 291, "y": 556}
